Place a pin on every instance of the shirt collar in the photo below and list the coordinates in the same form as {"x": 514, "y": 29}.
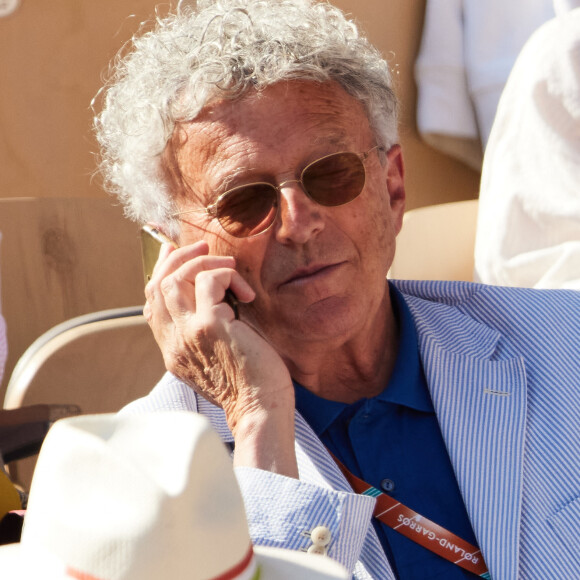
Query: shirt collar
{"x": 406, "y": 386}
{"x": 319, "y": 413}
{"x": 407, "y": 383}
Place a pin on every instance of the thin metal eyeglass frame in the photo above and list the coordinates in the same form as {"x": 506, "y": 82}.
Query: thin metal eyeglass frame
{"x": 211, "y": 209}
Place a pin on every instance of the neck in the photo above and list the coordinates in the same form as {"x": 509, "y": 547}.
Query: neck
{"x": 355, "y": 369}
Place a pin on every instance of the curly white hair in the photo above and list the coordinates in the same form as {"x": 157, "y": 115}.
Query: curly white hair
{"x": 222, "y": 49}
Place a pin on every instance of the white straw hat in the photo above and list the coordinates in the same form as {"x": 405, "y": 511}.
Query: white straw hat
{"x": 144, "y": 497}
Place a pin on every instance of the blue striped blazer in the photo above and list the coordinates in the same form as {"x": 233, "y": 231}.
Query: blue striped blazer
{"x": 503, "y": 370}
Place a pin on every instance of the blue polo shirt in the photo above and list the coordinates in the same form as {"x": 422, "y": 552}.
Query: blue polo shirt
{"x": 394, "y": 443}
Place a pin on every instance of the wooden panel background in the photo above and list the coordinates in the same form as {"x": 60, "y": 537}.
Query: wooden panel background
{"x": 61, "y": 258}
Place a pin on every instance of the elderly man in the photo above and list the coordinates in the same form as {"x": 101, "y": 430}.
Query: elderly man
{"x": 261, "y": 137}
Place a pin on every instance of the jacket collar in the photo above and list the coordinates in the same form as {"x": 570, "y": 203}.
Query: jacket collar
{"x": 479, "y": 397}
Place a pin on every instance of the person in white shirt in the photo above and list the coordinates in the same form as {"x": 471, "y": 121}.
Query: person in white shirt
{"x": 528, "y": 231}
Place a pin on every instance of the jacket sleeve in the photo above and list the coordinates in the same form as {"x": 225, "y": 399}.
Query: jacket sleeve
{"x": 282, "y": 512}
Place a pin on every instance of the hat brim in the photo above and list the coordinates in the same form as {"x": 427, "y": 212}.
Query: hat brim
{"x": 17, "y": 565}
{"x": 279, "y": 564}
{"x": 274, "y": 563}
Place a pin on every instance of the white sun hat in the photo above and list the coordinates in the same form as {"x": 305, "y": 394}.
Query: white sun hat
{"x": 143, "y": 497}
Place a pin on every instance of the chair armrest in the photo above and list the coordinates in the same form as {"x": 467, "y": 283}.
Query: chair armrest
{"x": 22, "y": 430}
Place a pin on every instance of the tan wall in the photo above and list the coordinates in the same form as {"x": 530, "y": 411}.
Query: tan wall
{"x": 53, "y": 56}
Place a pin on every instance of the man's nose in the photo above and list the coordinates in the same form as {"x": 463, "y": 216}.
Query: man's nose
{"x": 300, "y": 218}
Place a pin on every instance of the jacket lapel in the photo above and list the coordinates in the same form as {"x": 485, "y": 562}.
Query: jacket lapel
{"x": 480, "y": 401}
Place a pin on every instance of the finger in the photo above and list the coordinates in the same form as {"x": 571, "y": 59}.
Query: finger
{"x": 211, "y": 286}
{"x": 241, "y": 289}
{"x": 181, "y": 266}
{"x": 155, "y": 310}
{"x": 171, "y": 258}
{"x": 189, "y": 270}
{"x": 179, "y": 287}
{"x": 164, "y": 251}
{"x": 239, "y": 286}
{"x": 147, "y": 311}
{"x": 156, "y": 275}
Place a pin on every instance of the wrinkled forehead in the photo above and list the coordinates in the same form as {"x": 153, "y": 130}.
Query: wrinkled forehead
{"x": 298, "y": 115}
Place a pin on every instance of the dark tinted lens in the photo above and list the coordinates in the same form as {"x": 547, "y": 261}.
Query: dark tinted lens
{"x": 247, "y": 210}
{"x": 335, "y": 179}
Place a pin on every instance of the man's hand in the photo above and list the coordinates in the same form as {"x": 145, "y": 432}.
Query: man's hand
{"x": 223, "y": 359}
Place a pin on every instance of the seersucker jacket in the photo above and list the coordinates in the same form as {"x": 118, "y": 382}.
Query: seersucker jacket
{"x": 503, "y": 369}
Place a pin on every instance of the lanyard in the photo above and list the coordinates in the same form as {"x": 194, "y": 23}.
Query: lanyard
{"x": 420, "y": 529}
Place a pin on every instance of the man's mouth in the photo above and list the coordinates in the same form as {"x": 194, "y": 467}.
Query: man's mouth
{"x": 310, "y": 273}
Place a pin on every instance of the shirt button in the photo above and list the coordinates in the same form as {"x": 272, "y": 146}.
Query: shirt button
{"x": 320, "y": 536}
{"x": 388, "y": 485}
{"x": 317, "y": 549}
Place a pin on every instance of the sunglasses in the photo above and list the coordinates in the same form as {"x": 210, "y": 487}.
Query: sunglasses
{"x": 248, "y": 210}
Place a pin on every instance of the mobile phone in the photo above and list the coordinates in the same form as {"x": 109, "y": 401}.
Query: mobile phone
{"x": 151, "y": 240}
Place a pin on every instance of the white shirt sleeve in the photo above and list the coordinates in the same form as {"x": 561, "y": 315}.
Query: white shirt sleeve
{"x": 528, "y": 231}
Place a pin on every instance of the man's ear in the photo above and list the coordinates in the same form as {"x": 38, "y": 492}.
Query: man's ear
{"x": 396, "y": 185}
